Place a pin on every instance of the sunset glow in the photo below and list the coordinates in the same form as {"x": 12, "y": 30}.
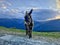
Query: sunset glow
{"x": 58, "y": 4}
{"x": 57, "y": 17}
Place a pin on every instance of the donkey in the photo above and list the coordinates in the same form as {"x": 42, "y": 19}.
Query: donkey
{"x": 29, "y": 23}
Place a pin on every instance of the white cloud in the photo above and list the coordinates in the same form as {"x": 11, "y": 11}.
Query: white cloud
{"x": 4, "y": 6}
{"x": 28, "y": 8}
{"x": 36, "y": 8}
{"x": 56, "y": 17}
{"x": 15, "y": 10}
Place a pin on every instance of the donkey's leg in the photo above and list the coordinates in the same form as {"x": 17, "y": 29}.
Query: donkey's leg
{"x": 30, "y": 32}
{"x": 26, "y": 29}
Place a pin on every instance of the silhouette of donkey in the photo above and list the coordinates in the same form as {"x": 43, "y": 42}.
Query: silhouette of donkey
{"x": 29, "y": 23}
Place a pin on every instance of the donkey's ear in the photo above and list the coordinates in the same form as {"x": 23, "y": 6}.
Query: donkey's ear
{"x": 26, "y": 12}
{"x": 30, "y": 11}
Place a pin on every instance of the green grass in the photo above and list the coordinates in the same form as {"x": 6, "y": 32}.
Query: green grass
{"x": 11, "y": 29}
{"x": 47, "y": 34}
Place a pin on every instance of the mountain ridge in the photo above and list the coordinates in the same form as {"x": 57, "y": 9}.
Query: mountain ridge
{"x": 52, "y": 25}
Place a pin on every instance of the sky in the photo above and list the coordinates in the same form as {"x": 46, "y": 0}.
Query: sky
{"x": 17, "y": 8}
{"x": 28, "y": 3}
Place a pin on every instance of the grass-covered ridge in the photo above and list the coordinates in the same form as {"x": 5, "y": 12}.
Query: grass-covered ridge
{"x": 22, "y": 32}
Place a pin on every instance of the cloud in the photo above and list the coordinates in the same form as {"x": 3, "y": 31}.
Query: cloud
{"x": 56, "y": 17}
{"x": 14, "y": 11}
{"x": 34, "y": 8}
{"x": 4, "y": 4}
{"x": 7, "y": 4}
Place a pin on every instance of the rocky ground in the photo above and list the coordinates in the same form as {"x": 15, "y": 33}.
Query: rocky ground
{"x": 14, "y": 38}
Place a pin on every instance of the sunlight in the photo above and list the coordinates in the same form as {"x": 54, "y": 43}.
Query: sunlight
{"x": 58, "y": 4}
{"x": 57, "y": 17}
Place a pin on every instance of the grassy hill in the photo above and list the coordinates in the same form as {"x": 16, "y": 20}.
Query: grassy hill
{"x": 13, "y": 31}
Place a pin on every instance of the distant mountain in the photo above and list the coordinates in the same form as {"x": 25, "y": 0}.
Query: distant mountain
{"x": 53, "y": 25}
{"x": 12, "y": 23}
